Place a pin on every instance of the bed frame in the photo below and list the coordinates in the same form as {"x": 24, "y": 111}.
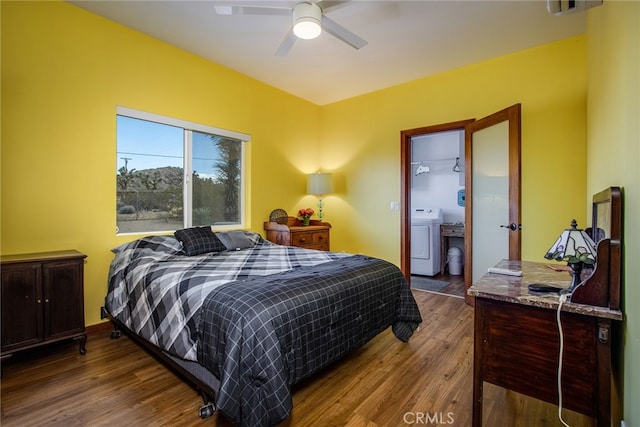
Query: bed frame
{"x": 191, "y": 372}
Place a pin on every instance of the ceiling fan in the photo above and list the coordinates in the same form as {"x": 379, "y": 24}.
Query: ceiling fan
{"x": 309, "y": 19}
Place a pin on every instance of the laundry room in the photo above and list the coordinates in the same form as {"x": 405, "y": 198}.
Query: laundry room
{"x": 437, "y": 204}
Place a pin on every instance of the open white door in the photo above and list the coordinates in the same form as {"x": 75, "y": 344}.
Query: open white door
{"x": 492, "y": 211}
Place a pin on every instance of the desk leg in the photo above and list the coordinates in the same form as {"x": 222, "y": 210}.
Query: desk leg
{"x": 604, "y": 373}
{"x": 478, "y": 375}
{"x": 444, "y": 247}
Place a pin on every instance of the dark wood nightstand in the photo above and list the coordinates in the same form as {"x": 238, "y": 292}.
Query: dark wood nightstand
{"x": 293, "y": 233}
{"x": 42, "y": 300}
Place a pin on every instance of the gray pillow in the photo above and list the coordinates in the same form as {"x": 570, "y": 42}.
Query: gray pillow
{"x": 235, "y": 240}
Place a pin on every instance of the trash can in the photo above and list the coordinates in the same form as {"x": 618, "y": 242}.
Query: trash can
{"x": 454, "y": 258}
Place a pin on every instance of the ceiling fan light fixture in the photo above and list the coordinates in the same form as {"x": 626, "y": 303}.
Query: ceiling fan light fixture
{"x": 306, "y": 21}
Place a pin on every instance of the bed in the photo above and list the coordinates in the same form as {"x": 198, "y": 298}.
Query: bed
{"x": 244, "y": 319}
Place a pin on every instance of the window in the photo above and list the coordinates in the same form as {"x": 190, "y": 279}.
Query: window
{"x": 172, "y": 174}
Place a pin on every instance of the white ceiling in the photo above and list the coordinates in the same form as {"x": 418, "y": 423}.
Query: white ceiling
{"x": 407, "y": 40}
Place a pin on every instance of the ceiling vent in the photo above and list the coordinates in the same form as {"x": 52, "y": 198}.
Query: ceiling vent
{"x": 565, "y": 7}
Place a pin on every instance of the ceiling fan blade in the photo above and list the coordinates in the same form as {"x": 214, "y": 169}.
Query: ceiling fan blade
{"x": 287, "y": 43}
{"x": 327, "y": 5}
{"x": 338, "y": 31}
{"x": 252, "y": 10}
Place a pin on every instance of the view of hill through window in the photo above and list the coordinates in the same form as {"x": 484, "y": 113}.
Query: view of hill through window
{"x": 153, "y": 191}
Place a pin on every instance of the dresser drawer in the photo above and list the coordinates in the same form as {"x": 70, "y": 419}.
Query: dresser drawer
{"x": 302, "y": 239}
{"x": 321, "y": 238}
{"x": 311, "y": 239}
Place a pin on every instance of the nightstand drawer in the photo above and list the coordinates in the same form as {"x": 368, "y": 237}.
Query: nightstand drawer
{"x": 302, "y": 239}
{"x": 311, "y": 239}
{"x": 321, "y": 238}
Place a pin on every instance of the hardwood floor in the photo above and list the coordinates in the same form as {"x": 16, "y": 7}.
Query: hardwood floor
{"x": 455, "y": 287}
{"x": 427, "y": 381}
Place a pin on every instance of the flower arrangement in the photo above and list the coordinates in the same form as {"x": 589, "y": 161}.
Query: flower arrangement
{"x": 305, "y": 215}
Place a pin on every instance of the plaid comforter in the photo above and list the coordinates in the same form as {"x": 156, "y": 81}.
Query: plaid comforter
{"x": 260, "y": 319}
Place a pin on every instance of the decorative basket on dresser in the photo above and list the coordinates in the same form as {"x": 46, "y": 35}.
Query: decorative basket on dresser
{"x": 293, "y": 233}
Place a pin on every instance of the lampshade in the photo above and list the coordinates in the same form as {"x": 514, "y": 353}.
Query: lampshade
{"x": 576, "y": 248}
{"x": 573, "y": 246}
{"x": 306, "y": 20}
{"x": 319, "y": 183}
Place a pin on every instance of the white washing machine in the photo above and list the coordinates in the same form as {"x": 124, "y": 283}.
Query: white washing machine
{"x": 425, "y": 241}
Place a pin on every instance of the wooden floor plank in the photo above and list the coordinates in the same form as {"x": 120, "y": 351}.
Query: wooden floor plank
{"x": 385, "y": 383}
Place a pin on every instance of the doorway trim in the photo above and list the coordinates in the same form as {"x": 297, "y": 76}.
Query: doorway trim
{"x": 405, "y": 185}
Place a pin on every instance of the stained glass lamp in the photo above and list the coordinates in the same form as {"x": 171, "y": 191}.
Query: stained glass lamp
{"x": 575, "y": 247}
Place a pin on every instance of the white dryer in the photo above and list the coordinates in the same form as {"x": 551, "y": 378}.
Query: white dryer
{"x": 425, "y": 241}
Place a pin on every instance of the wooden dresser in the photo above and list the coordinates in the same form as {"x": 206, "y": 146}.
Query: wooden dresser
{"x": 42, "y": 300}
{"x": 516, "y": 342}
{"x": 293, "y": 233}
{"x": 523, "y": 337}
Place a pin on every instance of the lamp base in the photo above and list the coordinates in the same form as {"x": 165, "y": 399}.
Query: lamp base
{"x": 576, "y": 272}
{"x": 320, "y": 206}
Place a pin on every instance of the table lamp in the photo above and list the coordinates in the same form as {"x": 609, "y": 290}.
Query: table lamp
{"x": 576, "y": 248}
{"x": 319, "y": 184}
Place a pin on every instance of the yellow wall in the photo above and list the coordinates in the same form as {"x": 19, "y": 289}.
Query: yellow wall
{"x": 361, "y": 143}
{"x": 613, "y": 131}
{"x": 64, "y": 71}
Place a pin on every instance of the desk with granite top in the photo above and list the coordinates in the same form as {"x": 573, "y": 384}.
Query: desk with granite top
{"x": 516, "y": 342}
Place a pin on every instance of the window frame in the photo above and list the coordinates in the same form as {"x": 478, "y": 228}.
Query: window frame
{"x": 188, "y": 129}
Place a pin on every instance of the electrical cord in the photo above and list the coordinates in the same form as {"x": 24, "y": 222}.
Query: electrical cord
{"x": 561, "y": 301}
